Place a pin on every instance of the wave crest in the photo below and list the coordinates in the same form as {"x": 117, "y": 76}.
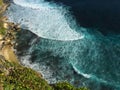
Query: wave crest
{"x": 44, "y": 19}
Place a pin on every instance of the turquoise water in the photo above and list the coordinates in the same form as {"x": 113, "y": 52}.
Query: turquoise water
{"x": 65, "y": 49}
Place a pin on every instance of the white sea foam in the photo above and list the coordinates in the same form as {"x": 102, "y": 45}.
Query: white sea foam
{"x": 83, "y": 74}
{"x": 44, "y": 70}
{"x": 44, "y": 19}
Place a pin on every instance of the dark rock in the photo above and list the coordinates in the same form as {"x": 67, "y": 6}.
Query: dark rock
{"x": 25, "y": 39}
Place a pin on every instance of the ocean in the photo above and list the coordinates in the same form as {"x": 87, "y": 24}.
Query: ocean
{"x": 76, "y": 41}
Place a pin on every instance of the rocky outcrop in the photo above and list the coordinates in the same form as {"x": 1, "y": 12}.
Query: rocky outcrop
{"x": 24, "y": 40}
{"x": 10, "y": 35}
{"x": 8, "y": 32}
{"x": 7, "y": 1}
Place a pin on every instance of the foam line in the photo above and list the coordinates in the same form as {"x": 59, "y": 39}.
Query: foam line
{"x": 44, "y": 19}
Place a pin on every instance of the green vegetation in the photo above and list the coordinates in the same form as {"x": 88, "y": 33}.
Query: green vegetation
{"x": 1, "y": 2}
{"x": 16, "y": 77}
{"x": 2, "y": 29}
{"x": 67, "y": 86}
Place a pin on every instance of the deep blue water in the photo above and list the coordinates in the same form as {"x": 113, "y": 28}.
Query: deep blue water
{"x": 101, "y": 14}
{"x": 76, "y": 40}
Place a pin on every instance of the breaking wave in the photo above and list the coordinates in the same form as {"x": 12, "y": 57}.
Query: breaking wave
{"x": 44, "y": 19}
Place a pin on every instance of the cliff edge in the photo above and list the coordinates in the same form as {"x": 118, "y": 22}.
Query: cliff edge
{"x": 14, "y": 76}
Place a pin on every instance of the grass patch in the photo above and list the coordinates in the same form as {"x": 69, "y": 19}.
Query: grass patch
{"x": 17, "y": 77}
{"x": 22, "y": 78}
{"x": 67, "y": 86}
{"x": 2, "y": 29}
{"x": 1, "y": 2}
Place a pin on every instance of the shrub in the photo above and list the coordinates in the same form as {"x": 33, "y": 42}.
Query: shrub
{"x": 22, "y": 78}
{"x": 2, "y": 29}
{"x": 16, "y": 77}
{"x": 66, "y": 86}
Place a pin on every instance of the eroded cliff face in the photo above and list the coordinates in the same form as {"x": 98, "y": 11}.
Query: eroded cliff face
{"x": 10, "y": 69}
{"x": 7, "y": 41}
{"x": 7, "y": 1}
{"x": 11, "y": 38}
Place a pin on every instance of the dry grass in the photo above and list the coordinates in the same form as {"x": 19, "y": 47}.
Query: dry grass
{"x": 1, "y": 2}
{"x": 9, "y": 54}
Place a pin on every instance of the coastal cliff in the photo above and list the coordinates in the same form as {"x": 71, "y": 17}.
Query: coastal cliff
{"x": 13, "y": 75}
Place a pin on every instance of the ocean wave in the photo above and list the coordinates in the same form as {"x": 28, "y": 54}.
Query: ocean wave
{"x": 63, "y": 43}
{"x": 44, "y": 19}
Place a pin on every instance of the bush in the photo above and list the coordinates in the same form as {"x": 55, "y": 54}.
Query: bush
{"x": 16, "y": 77}
{"x": 2, "y": 29}
{"x": 67, "y": 86}
{"x": 1, "y": 2}
{"x": 22, "y": 78}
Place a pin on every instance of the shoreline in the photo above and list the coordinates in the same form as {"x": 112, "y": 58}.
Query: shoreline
{"x": 12, "y": 72}
{"x": 7, "y": 50}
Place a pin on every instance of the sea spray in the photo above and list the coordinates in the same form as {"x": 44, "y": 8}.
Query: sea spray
{"x": 46, "y": 20}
